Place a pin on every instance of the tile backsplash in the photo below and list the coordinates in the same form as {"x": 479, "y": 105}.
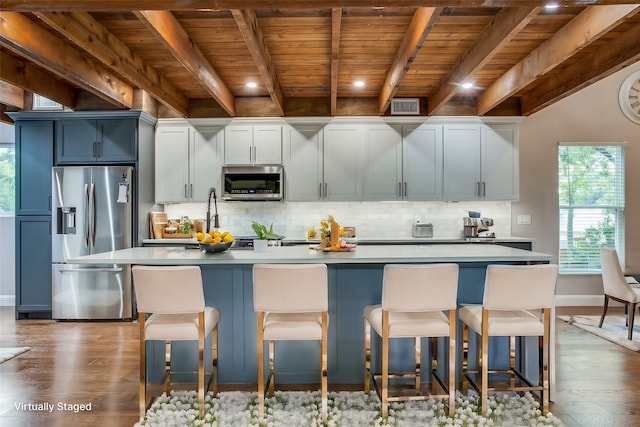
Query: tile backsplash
{"x": 371, "y": 219}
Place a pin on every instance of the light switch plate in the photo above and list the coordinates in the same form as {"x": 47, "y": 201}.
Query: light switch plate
{"x": 524, "y": 219}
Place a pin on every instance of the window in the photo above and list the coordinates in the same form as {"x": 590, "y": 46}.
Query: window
{"x": 7, "y": 178}
{"x": 591, "y": 200}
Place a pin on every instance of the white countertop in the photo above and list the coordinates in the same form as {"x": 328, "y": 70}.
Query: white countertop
{"x": 373, "y": 254}
{"x": 372, "y": 240}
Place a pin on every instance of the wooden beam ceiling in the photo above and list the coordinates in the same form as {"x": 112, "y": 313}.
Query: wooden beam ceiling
{"x": 116, "y": 5}
{"x": 421, "y": 23}
{"x": 20, "y": 34}
{"x": 336, "y": 22}
{"x": 500, "y": 31}
{"x": 578, "y": 33}
{"x": 250, "y": 30}
{"x": 606, "y": 60}
{"x": 96, "y": 40}
{"x": 11, "y": 95}
{"x": 33, "y": 79}
{"x": 167, "y": 28}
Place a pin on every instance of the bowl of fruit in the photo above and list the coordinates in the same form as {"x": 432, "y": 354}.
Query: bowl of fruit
{"x": 214, "y": 241}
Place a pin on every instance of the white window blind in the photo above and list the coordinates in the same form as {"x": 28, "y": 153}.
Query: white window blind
{"x": 591, "y": 200}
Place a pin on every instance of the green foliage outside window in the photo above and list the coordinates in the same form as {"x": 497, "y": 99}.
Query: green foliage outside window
{"x": 7, "y": 179}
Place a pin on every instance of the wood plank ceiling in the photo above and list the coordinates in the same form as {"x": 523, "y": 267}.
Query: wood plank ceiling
{"x": 195, "y": 58}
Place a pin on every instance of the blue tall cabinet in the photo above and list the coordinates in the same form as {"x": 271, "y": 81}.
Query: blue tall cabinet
{"x": 47, "y": 139}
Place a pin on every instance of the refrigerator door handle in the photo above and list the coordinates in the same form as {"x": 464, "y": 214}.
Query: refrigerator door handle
{"x": 93, "y": 215}
{"x": 91, "y": 270}
{"x": 86, "y": 225}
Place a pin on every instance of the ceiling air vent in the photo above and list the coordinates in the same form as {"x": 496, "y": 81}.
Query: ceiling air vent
{"x": 405, "y": 106}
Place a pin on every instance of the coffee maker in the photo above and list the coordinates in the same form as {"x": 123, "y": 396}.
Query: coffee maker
{"x": 475, "y": 226}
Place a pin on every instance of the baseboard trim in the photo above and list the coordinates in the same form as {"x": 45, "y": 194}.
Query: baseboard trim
{"x": 7, "y": 300}
{"x": 581, "y": 300}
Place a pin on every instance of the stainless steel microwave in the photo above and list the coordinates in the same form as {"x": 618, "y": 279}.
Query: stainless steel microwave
{"x": 252, "y": 183}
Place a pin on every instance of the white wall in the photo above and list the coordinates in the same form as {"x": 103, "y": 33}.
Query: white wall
{"x": 591, "y": 115}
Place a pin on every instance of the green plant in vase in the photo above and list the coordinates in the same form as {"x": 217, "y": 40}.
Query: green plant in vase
{"x": 263, "y": 232}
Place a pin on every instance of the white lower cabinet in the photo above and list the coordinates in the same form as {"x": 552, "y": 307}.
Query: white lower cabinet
{"x": 188, "y": 162}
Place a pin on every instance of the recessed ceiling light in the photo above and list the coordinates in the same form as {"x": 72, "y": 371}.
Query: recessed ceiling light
{"x": 467, "y": 85}
{"x": 358, "y": 83}
{"x": 252, "y": 84}
{"x": 551, "y": 6}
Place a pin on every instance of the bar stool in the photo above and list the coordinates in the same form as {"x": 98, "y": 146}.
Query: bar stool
{"x": 174, "y": 298}
{"x": 291, "y": 303}
{"x": 413, "y": 300}
{"x": 511, "y": 294}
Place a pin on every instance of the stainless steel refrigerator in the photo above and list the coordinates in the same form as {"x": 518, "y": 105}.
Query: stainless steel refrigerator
{"x": 92, "y": 208}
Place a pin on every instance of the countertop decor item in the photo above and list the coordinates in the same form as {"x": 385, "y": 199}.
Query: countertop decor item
{"x": 263, "y": 232}
{"x": 214, "y": 247}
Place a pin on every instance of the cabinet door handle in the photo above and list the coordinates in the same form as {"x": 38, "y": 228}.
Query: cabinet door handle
{"x": 478, "y": 188}
{"x": 255, "y": 154}
{"x": 191, "y": 190}
{"x": 94, "y": 149}
{"x": 99, "y": 145}
{"x": 250, "y": 154}
{"x": 399, "y": 192}
{"x": 320, "y": 190}
{"x": 325, "y": 190}
{"x": 484, "y": 189}
{"x": 405, "y": 189}
{"x": 186, "y": 196}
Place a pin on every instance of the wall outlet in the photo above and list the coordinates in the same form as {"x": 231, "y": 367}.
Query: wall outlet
{"x": 524, "y": 219}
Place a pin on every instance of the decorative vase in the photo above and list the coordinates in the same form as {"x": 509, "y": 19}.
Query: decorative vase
{"x": 260, "y": 245}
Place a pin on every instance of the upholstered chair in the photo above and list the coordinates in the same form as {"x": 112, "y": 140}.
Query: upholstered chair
{"x": 173, "y": 300}
{"x": 415, "y": 299}
{"x": 291, "y": 302}
{"x": 619, "y": 288}
{"x": 517, "y": 302}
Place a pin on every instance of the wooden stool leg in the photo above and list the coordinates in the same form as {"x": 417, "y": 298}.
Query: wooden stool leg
{"x": 260, "y": 364}
{"x": 142, "y": 391}
{"x": 323, "y": 366}
{"x": 384, "y": 392}
{"x": 367, "y": 354}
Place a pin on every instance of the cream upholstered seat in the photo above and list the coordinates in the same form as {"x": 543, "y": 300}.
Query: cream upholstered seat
{"x": 174, "y": 299}
{"x": 618, "y": 287}
{"x": 517, "y": 301}
{"x": 291, "y": 302}
{"x": 414, "y": 298}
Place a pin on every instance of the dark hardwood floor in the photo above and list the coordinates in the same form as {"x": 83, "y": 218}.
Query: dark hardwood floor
{"x": 97, "y": 363}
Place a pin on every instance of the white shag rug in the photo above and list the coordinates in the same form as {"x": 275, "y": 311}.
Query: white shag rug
{"x": 348, "y": 409}
{"x": 7, "y": 353}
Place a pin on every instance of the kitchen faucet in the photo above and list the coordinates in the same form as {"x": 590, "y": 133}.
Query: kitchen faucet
{"x": 212, "y": 191}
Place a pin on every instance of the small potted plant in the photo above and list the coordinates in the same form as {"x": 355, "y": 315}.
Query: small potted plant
{"x": 264, "y": 234}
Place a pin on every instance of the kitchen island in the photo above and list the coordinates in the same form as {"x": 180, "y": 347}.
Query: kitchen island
{"x": 355, "y": 281}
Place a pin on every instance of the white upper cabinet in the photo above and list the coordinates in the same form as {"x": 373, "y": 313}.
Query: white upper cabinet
{"x": 253, "y": 145}
{"x": 383, "y": 162}
{"x": 422, "y": 162}
{"x": 499, "y": 155}
{"x": 303, "y": 163}
{"x": 188, "y": 162}
{"x": 343, "y": 162}
{"x": 480, "y": 162}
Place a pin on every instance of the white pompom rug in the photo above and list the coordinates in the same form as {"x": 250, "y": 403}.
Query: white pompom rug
{"x": 7, "y": 353}
{"x": 349, "y": 409}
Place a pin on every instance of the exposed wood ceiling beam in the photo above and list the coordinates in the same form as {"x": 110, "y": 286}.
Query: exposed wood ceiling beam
{"x": 87, "y": 33}
{"x": 111, "y": 5}
{"x": 11, "y": 95}
{"x": 604, "y": 61}
{"x": 33, "y": 79}
{"x": 421, "y": 23}
{"x": 20, "y": 34}
{"x": 507, "y": 23}
{"x": 167, "y": 28}
{"x": 248, "y": 25}
{"x": 578, "y": 33}
{"x": 336, "y": 22}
